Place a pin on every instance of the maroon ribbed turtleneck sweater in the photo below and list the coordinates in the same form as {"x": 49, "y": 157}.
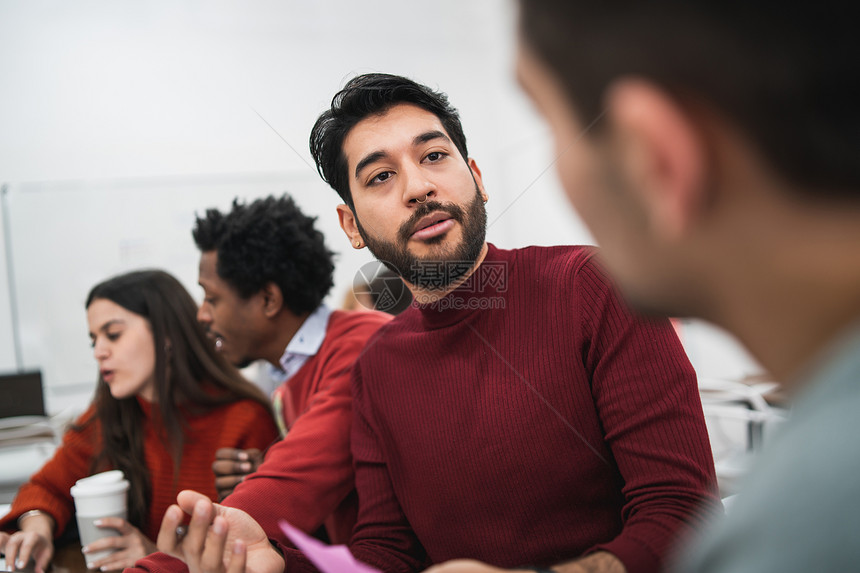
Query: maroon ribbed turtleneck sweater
{"x": 526, "y": 418}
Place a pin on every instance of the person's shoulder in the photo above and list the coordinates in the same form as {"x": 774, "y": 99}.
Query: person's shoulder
{"x": 392, "y": 329}
{"x": 84, "y": 431}
{"x": 356, "y": 322}
{"x": 809, "y": 455}
{"x": 243, "y": 407}
{"x": 573, "y": 256}
{"x": 559, "y": 263}
{"x": 808, "y": 471}
{"x": 87, "y": 416}
{"x": 84, "y": 422}
{"x": 349, "y": 331}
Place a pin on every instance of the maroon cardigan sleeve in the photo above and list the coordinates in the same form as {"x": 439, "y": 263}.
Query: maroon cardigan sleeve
{"x": 647, "y": 398}
{"x": 382, "y": 536}
{"x": 305, "y": 476}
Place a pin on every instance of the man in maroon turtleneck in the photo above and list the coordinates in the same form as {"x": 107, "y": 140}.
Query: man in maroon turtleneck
{"x": 518, "y": 413}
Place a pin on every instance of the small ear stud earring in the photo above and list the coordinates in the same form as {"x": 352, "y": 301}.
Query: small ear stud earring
{"x": 358, "y": 244}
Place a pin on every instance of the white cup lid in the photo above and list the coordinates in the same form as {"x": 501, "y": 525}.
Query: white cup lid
{"x": 98, "y": 485}
{"x": 111, "y": 476}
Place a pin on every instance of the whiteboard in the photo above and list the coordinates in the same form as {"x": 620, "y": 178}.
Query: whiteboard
{"x": 67, "y": 236}
{"x": 7, "y": 340}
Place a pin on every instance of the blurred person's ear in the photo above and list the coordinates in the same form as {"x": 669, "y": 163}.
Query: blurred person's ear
{"x": 660, "y": 150}
{"x": 273, "y": 299}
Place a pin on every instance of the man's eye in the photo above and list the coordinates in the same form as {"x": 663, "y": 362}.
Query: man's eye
{"x": 435, "y": 156}
{"x": 384, "y": 176}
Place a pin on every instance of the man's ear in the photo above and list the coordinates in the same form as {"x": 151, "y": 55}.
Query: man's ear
{"x": 349, "y": 226}
{"x": 661, "y": 149}
{"x": 273, "y": 299}
{"x": 476, "y": 174}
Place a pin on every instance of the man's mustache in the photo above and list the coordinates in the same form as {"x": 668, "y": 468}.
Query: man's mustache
{"x": 406, "y": 229}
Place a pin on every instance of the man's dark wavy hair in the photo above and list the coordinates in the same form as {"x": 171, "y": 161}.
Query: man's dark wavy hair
{"x": 785, "y": 73}
{"x": 269, "y": 240}
{"x": 368, "y": 95}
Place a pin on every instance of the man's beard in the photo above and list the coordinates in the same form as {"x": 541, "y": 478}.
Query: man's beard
{"x": 434, "y": 272}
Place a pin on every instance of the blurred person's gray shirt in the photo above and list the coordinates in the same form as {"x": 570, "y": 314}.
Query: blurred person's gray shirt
{"x": 799, "y": 510}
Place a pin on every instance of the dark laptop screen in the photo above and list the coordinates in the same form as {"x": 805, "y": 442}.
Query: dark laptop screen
{"x": 21, "y": 395}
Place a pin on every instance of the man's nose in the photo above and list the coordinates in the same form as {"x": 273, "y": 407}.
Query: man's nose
{"x": 203, "y": 314}
{"x": 418, "y": 188}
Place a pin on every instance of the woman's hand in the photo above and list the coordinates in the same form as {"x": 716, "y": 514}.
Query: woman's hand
{"x": 129, "y": 546}
{"x": 22, "y": 546}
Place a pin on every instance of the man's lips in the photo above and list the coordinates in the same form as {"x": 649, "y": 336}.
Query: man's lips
{"x": 432, "y": 225}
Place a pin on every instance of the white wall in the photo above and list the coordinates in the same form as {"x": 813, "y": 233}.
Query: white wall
{"x": 100, "y": 99}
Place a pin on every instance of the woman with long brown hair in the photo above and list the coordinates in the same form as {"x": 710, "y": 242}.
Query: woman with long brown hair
{"x": 165, "y": 402}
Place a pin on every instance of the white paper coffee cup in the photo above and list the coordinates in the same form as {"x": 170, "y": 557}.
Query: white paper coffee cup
{"x": 96, "y": 497}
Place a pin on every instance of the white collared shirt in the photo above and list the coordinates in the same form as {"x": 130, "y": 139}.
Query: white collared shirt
{"x": 304, "y": 344}
{"x": 306, "y": 341}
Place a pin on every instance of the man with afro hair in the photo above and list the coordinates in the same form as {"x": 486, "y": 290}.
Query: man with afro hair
{"x": 265, "y": 271}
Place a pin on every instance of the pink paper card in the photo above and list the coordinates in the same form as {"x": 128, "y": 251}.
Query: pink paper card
{"x": 327, "y": 558}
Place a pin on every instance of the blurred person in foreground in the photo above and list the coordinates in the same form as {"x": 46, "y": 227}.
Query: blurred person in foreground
{"x": 517, "y": 413}
{"x": 721, "y": 178}
{"x": 165, "y": 402}
{"x": 265, "y": 270}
